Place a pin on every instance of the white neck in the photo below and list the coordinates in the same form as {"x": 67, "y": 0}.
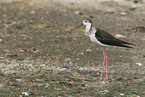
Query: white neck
{"x": 88, "y": 27}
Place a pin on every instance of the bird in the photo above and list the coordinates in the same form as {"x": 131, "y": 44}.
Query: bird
{"x": 102, "y": 38}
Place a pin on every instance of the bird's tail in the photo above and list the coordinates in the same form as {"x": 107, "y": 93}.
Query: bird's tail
{"x": 126, "y": 46}
{"x": 126, "y": 42}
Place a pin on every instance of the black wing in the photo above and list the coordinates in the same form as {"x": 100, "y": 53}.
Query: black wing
{"x": 106, "y": 38}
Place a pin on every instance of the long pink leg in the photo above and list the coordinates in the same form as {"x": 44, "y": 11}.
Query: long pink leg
{"x": 103, "y": 64}
{"x": 106, "y": 66}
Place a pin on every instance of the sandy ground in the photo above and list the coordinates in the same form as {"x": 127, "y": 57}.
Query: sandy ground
{"x": 38, "y": 51}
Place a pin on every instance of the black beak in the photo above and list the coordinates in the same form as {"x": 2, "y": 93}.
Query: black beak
{"x": 77, "y": 26}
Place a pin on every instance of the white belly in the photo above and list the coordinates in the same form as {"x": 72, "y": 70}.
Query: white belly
{"x": 94, "y": 40}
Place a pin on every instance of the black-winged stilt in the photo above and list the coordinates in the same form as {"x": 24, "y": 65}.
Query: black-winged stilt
{"x": 102, "y": 38}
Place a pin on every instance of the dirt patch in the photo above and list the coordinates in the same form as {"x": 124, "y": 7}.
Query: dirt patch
{"x": 40, "y": 56}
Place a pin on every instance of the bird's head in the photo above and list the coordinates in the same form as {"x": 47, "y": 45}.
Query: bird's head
{"x": 86, "y": 22}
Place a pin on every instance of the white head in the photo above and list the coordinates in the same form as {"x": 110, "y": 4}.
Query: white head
{"x": 88, "y": 23}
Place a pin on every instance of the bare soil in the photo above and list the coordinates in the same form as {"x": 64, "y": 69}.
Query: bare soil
{"x": 41, "y": 56}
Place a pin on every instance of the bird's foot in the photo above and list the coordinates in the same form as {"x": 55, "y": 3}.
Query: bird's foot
{"x": 100, "y": 79}
{"x": 106, "y": 78}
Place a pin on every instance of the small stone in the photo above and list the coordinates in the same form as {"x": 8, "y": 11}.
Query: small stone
{"x": 139, "y": 64}
{"x": 30, "y": 4}
{"x": 88, "y": 50}
{"x": 19, "y": 80}
{"x": 74, "y": 39}
{"x": 32, "y": 12}
{"x": 77, "y": 59}
{"x": 20, "y": 96}
{"x": 67, "y": 59}
{"x": 31, "y": 21}
{"x": 21, "y": 50}
{"x": 46, "y": 87}
{"x": 103, "y": 82}
{"x": 59, "y": 89}
{"x": 39, "y": 80}
{"x": 25, "y": 93}
{"x": 119, "y": 35}
{"x": 106, "y": 91}
{"x": 123, "y": 13}
{"x": 81, "y": 53}
{"x": 13, "y": 23}
{"x": 121, "y": 94}
{"x": 68, "y": 29}
{"x": 77, "y": 12}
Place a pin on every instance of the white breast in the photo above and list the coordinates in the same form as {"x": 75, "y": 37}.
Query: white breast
{"x": 94, "y": 39}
